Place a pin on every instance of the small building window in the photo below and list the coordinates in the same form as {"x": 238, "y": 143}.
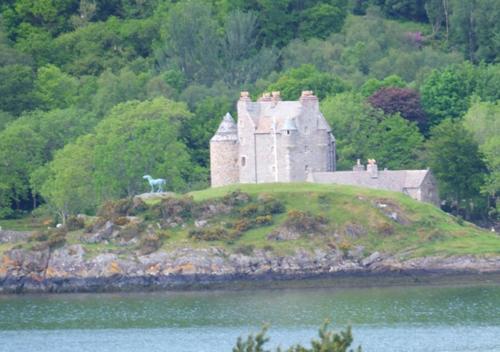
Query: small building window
{"x": 243, "y": 160}
{"x": 288, "y": 132}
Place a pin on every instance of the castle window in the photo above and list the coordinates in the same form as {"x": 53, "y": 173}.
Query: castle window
{"x": 287, "y": 132}
{"x": 243, "y": 160}
{"x": 306, "y": 130}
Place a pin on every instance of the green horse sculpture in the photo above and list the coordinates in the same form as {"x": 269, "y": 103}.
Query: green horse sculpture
{"x": 158, "y": 183}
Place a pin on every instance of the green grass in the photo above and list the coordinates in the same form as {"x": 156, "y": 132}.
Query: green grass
{"x": 430, "y": 231}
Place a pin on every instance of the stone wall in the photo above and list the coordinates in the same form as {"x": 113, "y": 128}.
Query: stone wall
{"x": 224, "y": 168}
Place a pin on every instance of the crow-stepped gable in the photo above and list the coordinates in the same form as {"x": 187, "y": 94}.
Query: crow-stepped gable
{"x": 273, "y": 141}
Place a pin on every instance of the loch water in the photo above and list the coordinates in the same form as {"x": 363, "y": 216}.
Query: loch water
{"x": 425, "y": 318}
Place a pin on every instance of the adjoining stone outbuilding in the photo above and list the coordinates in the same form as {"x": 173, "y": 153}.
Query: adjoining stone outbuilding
{"x": 291, "y": 141}
{"x": 418, "y": 184}
{"x": 273, "y": 141}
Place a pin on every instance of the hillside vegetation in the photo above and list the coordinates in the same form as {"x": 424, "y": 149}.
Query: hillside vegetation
{"x": 96, "y": 94}
{"x": 281, "y": 218}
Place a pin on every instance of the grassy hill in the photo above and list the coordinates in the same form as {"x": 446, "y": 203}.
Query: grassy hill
{"x": 242, "y": 218}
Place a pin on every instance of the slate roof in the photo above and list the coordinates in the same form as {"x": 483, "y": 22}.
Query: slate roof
{"x": 393, "y": 180}
{"x": 227, "y": 130}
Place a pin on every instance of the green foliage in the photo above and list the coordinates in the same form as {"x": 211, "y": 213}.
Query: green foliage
{"x": 457, "y": 163}
{"x": 55, "y": 89}
{"x": 16, "y": 88}
{"x": 137, "y": 139}
{"x": 373, "y": 84}
{"x": 396, "y": 144}
{"x": 307, "y": 77}
{"x": 483, "y": 120}
{"x": 445, "y": 93}
{"x": 354, "y": 121}
{"x": 329, "y": 341}
{"x": 321, "y": 19}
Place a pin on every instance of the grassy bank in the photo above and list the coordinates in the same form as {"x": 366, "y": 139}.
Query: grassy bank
{"x": 348, "y": 218}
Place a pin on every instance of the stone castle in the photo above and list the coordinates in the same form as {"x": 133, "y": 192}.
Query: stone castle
{"x": 291, "y": 141}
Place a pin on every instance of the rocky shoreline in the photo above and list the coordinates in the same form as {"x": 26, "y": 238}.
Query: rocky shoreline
{"x": 71, "y": 269}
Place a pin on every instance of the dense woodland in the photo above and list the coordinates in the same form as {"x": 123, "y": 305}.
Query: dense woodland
{"x": 95, "y": 94}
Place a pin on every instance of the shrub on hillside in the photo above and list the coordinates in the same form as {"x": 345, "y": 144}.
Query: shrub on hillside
{"x": 130, "y": 231}
{"x": 302, "y": 222}
{"x": 48, "y": 239}
{"x": 170, "y": 208}
{"x": 236, "y": 198}
{"x": 211, "y": 234}
{"x": 112, "y": 209}
{"x": 75, "y": 223}
{"x": 246, "y": 249}
{"x": 271, "y": 205}
{"x": 149, "y": 243}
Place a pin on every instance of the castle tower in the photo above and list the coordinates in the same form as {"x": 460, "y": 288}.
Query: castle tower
{"x": 224, "y": 168}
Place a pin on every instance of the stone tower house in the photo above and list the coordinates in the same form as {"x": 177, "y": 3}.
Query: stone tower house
{"x": 273, "y": 141}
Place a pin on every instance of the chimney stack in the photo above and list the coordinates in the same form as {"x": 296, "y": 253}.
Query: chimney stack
{"x": 245, "y": 96}
{"x": 372, "y": 168}
{"x": 265, "y": 97}
{"x": 358, "y": 166}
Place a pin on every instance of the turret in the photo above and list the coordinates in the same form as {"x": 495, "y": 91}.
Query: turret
{"x": 224, "y": 168}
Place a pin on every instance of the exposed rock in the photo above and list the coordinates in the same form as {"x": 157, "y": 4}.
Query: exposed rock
{"x": 372, "y": 258}
{"x": 7, "y": 236}
{"x": 104, "y": 234}
{"x": 354, "y": 231}
{"x": 283, "y": 233}
{"x": 69, "y": 269}
{"x": 200, "y": 223}
{"x": 156, "y": 195}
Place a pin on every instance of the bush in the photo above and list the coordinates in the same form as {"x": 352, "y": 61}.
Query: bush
{"x": 246, "y": 249}
{"x": 304, "y": 221}
{"x": 149, "y": 243}
{"x": 236, "y": 198}
{"x": 48, "y": 239}
{"x": 121, "y": 221}
{"x": 129, "y": 232}
{"x": 264, "y": 220}
{"x": 385, "y": 229}
{"x": 211, "y": 234}
{"x": 75, "y": 223}
{"x": 176, "y": 207}
{"x": 112, "y": 209}
{"x": 249, "y": 210}
{"x": 271, "y": 205}
{"x": 329, "y": 341}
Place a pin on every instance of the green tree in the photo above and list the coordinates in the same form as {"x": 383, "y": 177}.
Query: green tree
{"x": 5, "y": 118}
{"x": 16, "y": 89}
{"x": 483, "y": 121}
{"x": 445, "y": 93}
{"x": 67, "y": 183}
{"x": 139, "y": 138}
{"x": 329, "y": 341}
{"x": 30, "y": 141}
{"x": 55, "y": 89}
{"x": 353, "y": 121}
{"x": 457, "y": 163}
{"x": 113, "y": 89}
{"x": 396, "y": 144}
{"x": 191, "y": 42}
{"x": 243, "y": 62}
{"x": 373, "y": 84}
{"x": 322, "y": 19}
{"x": 307, "y": 77}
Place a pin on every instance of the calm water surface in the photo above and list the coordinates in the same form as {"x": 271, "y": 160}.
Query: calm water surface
{"x": 383, "y": 319}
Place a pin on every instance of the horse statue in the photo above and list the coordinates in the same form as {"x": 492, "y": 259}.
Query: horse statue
{"x": 158, "y": 182}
